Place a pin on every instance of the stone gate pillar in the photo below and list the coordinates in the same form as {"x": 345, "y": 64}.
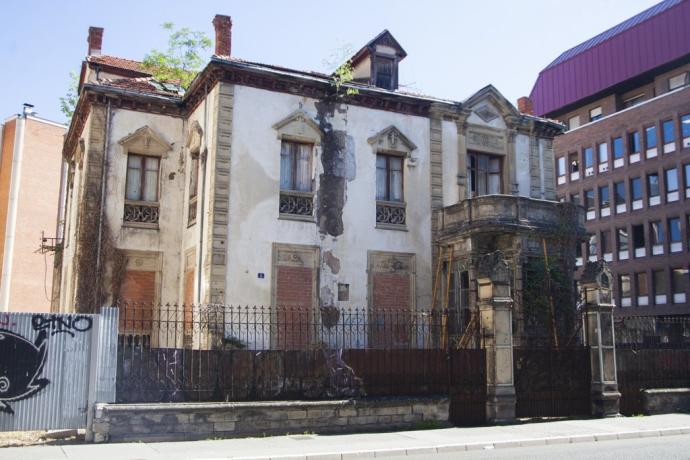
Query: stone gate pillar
{"x": 496, "y": 316}
{"x": 595, "y": 288}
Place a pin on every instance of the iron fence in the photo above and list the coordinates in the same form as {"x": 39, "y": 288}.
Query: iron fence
{"x": 239, "y": 353}
{"x": 652, "y": 332}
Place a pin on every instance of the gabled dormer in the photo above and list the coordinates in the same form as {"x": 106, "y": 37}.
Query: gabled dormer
{"x": 376, "y": 63}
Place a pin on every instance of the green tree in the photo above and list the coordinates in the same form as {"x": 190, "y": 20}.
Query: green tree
{"x": 182, "y": 60}
{"x": 69, "y": 101}
{"x": 344, "y": 72}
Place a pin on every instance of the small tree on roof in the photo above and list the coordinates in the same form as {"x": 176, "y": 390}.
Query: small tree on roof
{"x": 182, "y": 60}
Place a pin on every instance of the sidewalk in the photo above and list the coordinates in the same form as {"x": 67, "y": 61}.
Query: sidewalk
{"x": 341, "y": 447}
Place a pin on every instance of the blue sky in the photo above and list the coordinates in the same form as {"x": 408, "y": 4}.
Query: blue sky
{"x": 454, "y": 47}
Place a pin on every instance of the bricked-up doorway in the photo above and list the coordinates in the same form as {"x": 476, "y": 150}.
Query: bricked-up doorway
{"x": 295, "y": 280}
{"x": 391, "y": 294}
{"x": 140, "y": 289}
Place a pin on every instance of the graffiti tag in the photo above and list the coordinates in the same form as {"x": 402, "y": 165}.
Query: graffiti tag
{"x": 19, "y": 375}
{"x": 6, "y": 322}
{"x": 61, "y": 324}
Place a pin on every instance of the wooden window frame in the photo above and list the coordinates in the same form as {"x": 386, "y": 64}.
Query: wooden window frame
{"x": 389, "y": 157}
{"x": 142, "y": 179}
{"x": 294, "y": 160}
{"x": 489, "y": 157}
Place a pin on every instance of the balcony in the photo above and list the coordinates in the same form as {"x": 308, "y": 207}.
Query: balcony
{"x": 141, "y": 214}
{"x": 504, "y": 212}
{"x": 391, "y": 215}
{"x": 297, "y": 205}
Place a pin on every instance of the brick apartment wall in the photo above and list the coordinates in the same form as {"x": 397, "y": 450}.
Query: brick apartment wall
{"x": 5, "y": 179}
{"x": 180, "y": 421}
{"x": 294, "y": 288}
{"x": 635, "y": 119}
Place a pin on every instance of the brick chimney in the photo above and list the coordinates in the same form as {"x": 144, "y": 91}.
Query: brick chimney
{"x": 223, "y": 26}
{"x": 525, "y": 105}
{"x": 95, "y": 40}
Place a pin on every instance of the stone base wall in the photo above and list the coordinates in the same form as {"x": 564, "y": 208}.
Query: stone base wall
{"x": 187, "y": 421}
{"x": 665, "y": 400}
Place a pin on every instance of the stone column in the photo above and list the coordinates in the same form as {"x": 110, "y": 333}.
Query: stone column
{"x": 495, "y": 311}
{"x": 595, "y": 286}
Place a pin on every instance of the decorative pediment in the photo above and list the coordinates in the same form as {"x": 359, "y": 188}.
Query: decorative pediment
{"x": 392, "y": 140}
{"x": 299, "y": 126}
{"x": 145, "y": 141}
{"x": 488, "y": 104}
{"x": 194, "y": 137}
{"x": 486, "y": 113}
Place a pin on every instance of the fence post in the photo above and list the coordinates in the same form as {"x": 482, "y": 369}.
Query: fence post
{"x": 595, "y": 288}
{"x": 102, "y": 364}
{"x": 496, "y": 315}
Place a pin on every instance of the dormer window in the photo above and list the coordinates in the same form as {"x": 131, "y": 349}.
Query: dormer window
{"x": 385, "y": 72}
{"x": 376, "y": 63}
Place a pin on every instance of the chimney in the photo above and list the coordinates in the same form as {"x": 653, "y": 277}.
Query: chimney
{"x": 223, "y": 26}
{"x": 525, "y": 105}
{"x": 95, "y": 40}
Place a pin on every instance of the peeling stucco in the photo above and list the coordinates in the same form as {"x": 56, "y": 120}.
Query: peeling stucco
{"x": 332, "y": 262}
{"x": 339, "y": 167}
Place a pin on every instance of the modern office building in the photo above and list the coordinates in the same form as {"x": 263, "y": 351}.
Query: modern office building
{"x": 625, "y": 157}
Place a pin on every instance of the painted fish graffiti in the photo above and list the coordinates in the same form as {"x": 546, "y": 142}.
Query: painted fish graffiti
{"x": 19, "y": 377}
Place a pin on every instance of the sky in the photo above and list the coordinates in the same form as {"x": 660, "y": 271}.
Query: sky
{"x": 454, "y": 47}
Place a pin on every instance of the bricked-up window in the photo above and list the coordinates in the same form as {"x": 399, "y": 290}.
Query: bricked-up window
{"x": 636, "y": 188}
{"x": 668, "y": 131}
{"x": 138, "y": 291}
{"x": 142, "y": 178}
{"x": 604, "y": 199}
{"x": 484, "y": 172}
{"x": 603, "y": 153}
{"x": 656, "y": 233}
{"x": 619, "y": 190}
{"x": 650, "y": 136}
{"x": 685, "y": 125}
{"x": 641, "y": 282}
{"x": 385, "y": 72}
{"x": 618, "y": 148}
{"x": 671, "y": 180}
{"x": 561, "y": 167}
{"x": 295, "y": 166}
{"x": 622, "y": 237}
{"x": 589, "y": 157}
{"x": 595, "y": 114}
{"x": 634, "y": 142}
{"x": 624, "y": 281}
{"x": 652, "y": 185}
{"x": 389, "y": 178}
{"x": 589, "y": 200}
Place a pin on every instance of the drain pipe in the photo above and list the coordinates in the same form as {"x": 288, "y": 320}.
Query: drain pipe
{"x": 12, "y": 205}
{"x": 104, "y": 178}
{"x": 202, "y": 157}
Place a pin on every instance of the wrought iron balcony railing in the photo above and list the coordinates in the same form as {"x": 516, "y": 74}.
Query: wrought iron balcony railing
{"x": 141, "y": 213}
{"x": 298, "y": 204}
{"x": 391, "y": 213}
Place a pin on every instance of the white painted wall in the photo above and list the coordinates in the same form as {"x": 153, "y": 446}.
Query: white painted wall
{"x": 254, "y": 196}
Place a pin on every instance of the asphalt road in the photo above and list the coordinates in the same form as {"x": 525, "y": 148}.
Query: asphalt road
{"x": 667, "y": 448}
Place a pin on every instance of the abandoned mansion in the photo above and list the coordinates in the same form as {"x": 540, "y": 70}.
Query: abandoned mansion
{"x": 265, "y": 185}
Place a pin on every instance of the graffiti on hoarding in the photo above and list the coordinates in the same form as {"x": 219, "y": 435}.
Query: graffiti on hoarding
{"x": 20, "y": 376}
{"x": 57, "y": 324}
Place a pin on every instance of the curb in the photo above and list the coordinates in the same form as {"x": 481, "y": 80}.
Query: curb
{"x": 446, "y": 448}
